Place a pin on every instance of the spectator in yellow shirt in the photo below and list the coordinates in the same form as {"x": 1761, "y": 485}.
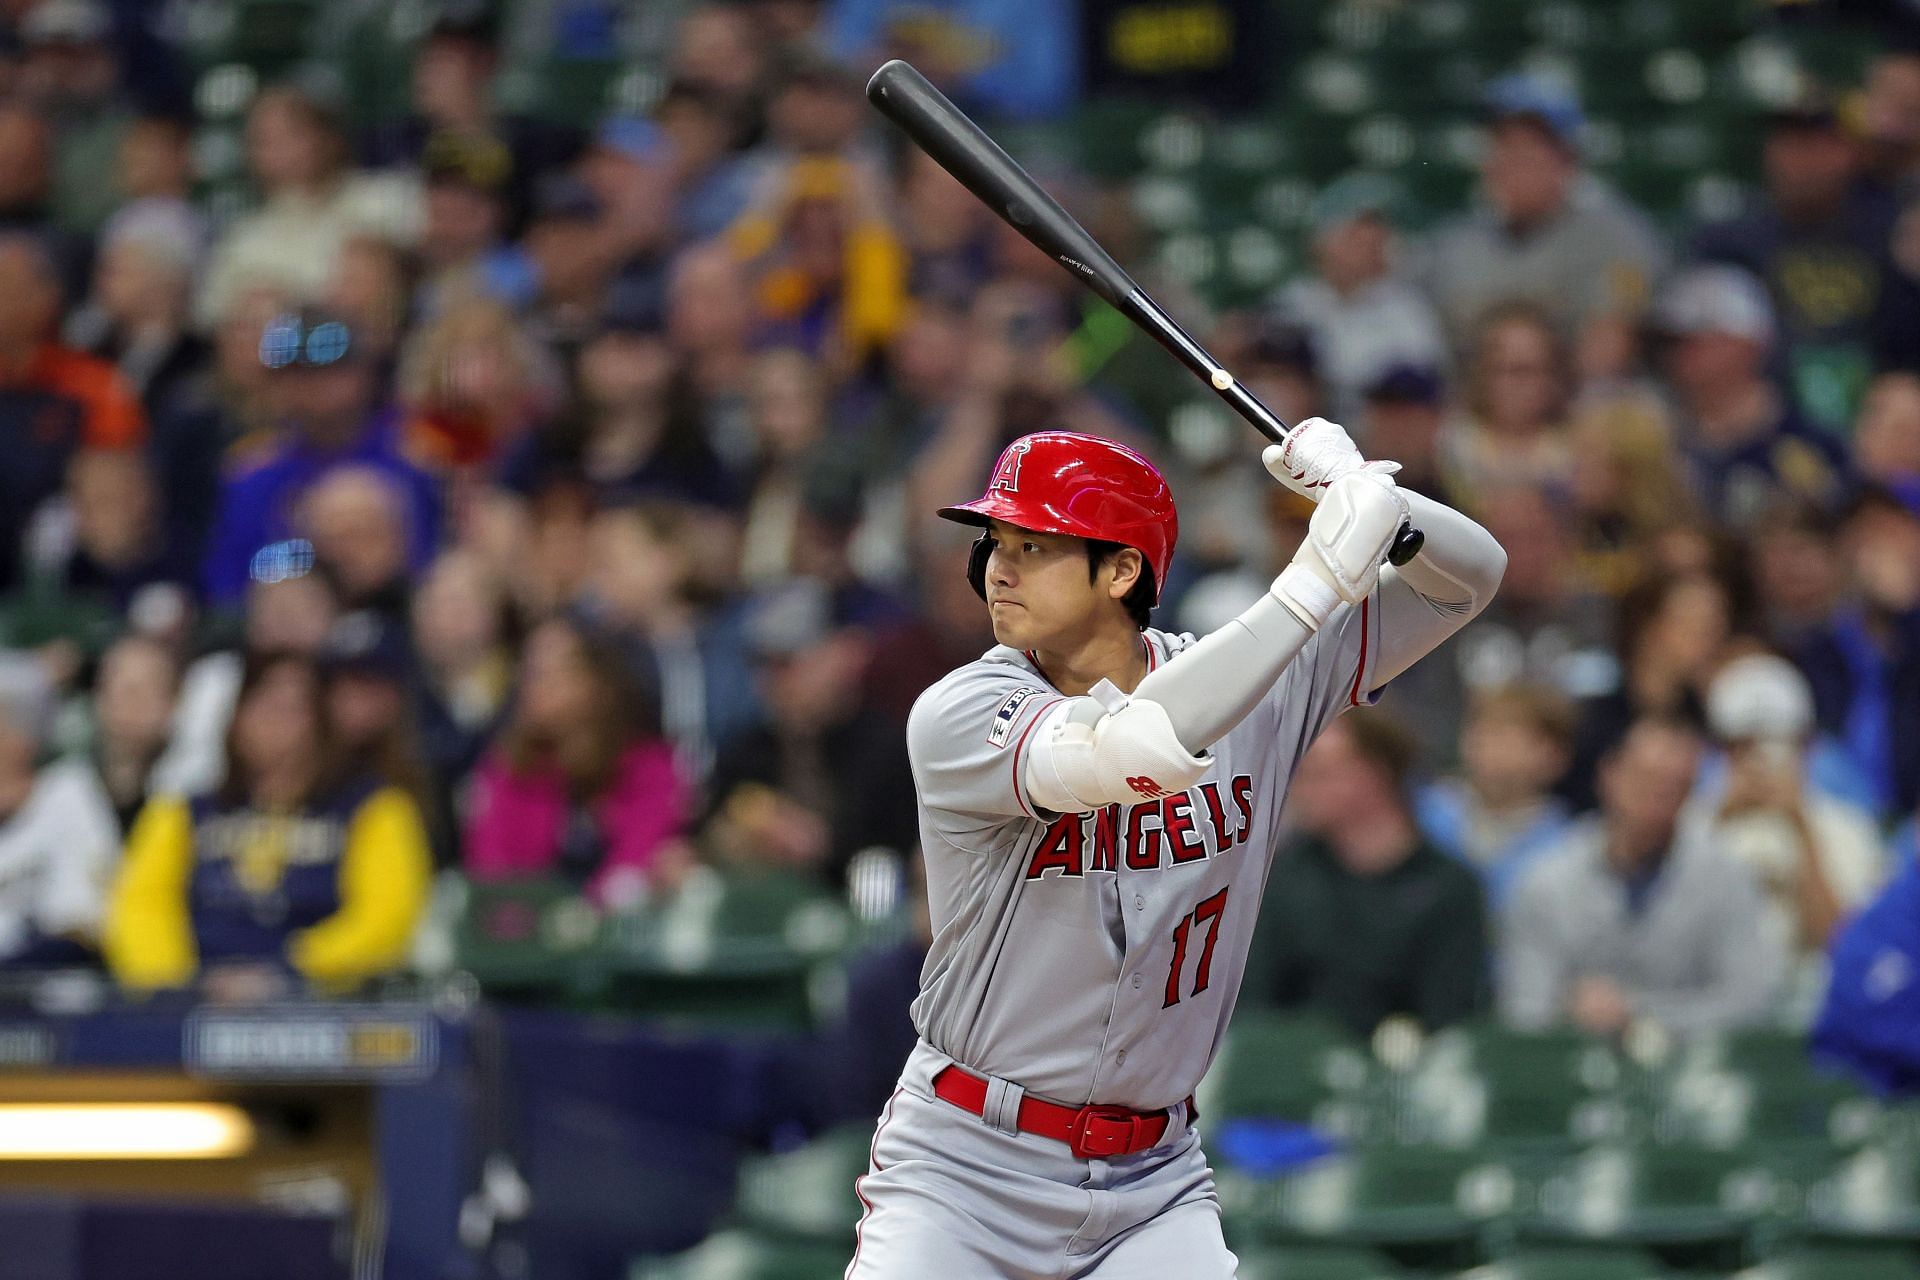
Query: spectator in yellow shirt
{"x": 298, "y": 868}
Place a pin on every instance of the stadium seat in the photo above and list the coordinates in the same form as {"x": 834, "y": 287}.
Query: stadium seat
{"x": 1572, "y": 1264}
{"x": 1507, "y": 1056}
{"x": 1315, "y": 1264}
{"x": 1690, "y": 1205}
{"x": 524, "y": 938}
{"x": 270, "y": 36}
{"x": 743, "y": 1255}
{"x": 1524, "y": 1093}
{"x": 1282, "y": 1066}
{"x": 1871, "y": 1196}
{"x": 1837, "y": 1264}
{"x": 807, "y": 1193}
{"x": 1761, "y": 1086}
{"x": 1422, "y": 1207}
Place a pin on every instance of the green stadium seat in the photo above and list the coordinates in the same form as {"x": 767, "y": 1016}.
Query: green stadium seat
{"x": 1422, "y": 1207}
{"x": 524, "y": 939}
{"x": 572, "y": 91}
{"x": 1283, "y": 1066}
{"x": 1761, "y": 1087}
{"x": 1510, "y": 1058}
{"x": 1108, "y": 136}
{"x": 807, "y": 1193}
{"x": 763, "y": 992}
{"x": 742, "y": 1255}
{"x": 1572, "y": 1264}
{"x": 731, "y": 951}
{"x": 1755, "y": 1050}
{"x": 271, "y": 36}
{"x": 1519, "y": 1091}
{"x": 1871, "y": 1196}
{"x": 1690, "y": 1205}
{"x": 1270, "y": 1263}
{"x": 1836, "y": 1264}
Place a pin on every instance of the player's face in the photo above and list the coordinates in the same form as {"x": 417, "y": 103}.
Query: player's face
{"x": 1040, "y": 594}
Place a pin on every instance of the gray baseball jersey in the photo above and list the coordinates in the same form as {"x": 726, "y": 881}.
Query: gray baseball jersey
{"x": 1096, "y": 957}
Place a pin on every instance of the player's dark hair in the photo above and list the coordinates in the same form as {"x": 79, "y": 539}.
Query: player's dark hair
{"x": 1139, "y": 598}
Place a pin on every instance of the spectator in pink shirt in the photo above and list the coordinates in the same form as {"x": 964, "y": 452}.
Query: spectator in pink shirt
{"x": 575, "y": 786}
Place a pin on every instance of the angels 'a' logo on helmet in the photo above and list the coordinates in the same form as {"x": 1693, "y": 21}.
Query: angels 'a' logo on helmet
{"x": 1006, "y": 472}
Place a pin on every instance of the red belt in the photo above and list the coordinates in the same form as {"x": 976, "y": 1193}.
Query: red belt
{"x": 1094, "y": 1132}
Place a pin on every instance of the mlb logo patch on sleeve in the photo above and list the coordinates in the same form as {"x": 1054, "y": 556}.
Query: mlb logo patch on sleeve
{"x": 1009, "y": 712}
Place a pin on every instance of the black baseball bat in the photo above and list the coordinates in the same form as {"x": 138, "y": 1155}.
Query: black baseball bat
{"x": 964, "y": 150}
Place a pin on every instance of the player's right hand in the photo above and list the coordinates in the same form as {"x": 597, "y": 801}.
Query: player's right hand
{"x": 1315, "y": 454}
{"x": 1347, "y": 540}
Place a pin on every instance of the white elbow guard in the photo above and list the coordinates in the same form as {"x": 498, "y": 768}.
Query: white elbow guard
{"x": 1106, "y": 749}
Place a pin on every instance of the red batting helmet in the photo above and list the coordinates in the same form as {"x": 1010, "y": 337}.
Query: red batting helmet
{"x": 1084, "y": 486}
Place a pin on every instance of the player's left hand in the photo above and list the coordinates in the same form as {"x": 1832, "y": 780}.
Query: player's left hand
{"x": 1315, "y": 454}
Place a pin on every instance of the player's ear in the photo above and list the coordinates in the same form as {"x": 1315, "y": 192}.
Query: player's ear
{"x": 1125, "y": 565}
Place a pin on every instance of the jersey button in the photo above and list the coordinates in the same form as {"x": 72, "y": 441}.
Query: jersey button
{"x": 1139, "y": 902}
{"x": 1120, "y": 1059}
{"x": 1137, "y": 980}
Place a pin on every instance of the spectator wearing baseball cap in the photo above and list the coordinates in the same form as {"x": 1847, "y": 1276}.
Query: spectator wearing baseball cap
{"x": 1363, "y": 317}
{"x": 1547, "y": 231}
{"x": 1281, "y": 365}
{"x": 464, "y": 245}
{"x": 1817, "y": 234}
{"x": 370, "y": 675}
{"x": 1403, "y": 411}
{"x": 453, "y": 86}
{"x": 629, "y": 433}
{"x": 1747, "y": 445}
{"x": 71, "y": 70}
{"x": 1818, "y": 858}
{"x": 703, "y": 129}
{"x": 327, "y": 397}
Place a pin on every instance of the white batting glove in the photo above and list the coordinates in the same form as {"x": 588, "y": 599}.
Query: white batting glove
{"x": 1314, "y": 455}
{"x": 1347, "y": 539}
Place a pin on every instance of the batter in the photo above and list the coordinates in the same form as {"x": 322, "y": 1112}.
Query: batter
{"x": 1098, "y": 808}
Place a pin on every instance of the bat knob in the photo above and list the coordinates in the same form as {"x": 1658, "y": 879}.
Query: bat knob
{"x": 1406, "y": 545}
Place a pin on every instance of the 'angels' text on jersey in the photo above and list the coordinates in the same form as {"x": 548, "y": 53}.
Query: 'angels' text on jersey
{"x": 1183, "y": 827}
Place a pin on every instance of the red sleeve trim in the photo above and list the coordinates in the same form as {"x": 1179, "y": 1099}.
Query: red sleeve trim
{"x": 1020, "y": 755}
{"x": 1360, "y": 671}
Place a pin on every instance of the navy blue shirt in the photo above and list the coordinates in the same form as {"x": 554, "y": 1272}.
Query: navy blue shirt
{"x": 1831, "y": 283}
{"x": 1790, "y": 459}
{"x": 258, "y": 499}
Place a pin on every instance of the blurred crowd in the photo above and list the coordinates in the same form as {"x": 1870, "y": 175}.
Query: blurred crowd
{"x": 495, "y": 497}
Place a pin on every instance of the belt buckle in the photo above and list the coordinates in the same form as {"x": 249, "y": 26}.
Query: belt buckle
{"x": 1097, "y": 1131}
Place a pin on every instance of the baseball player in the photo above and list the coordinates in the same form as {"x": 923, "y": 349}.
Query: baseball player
{"x": 1098, "y": 808}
